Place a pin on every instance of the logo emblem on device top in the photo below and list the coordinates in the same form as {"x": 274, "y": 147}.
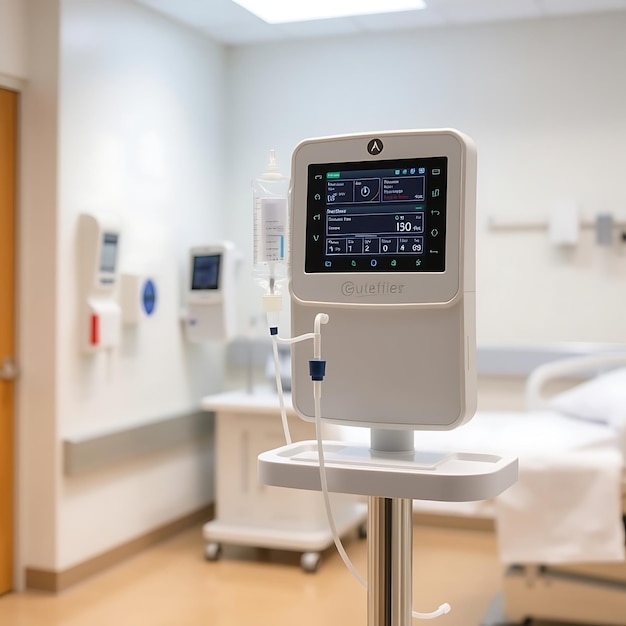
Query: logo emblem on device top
{"x": 375, "y": 146}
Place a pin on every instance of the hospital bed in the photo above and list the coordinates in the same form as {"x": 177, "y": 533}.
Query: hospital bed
{"x": 584, "y": 592}
{"x": 561, "y": 528}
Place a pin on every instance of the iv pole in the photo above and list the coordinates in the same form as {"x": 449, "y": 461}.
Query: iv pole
{"x": 388, "y": 466}
{"x": 390, "y": 544}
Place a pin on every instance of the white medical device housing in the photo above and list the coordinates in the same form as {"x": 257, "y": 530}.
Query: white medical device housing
{"x": 383, "y": 240}
{"x": 138, "y": 298}
{"x": 99, "y": 238}
{"x": 211, "y": 293}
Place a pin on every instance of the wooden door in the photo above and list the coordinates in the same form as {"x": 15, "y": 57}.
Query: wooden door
{"x": 8, "y": 139}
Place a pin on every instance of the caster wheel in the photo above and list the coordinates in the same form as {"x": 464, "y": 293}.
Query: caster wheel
{"x": 310, "y": 561}
{"x": 363, "y": 531}
{"x": 212, "y": 551}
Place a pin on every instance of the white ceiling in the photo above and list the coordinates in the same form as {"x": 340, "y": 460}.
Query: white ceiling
{"x": 227, "y": 22}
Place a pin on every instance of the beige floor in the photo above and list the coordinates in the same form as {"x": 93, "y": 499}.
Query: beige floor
{"x": 172, "y": 585}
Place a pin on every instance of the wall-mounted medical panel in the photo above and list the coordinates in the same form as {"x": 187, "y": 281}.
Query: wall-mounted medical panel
{"x": 98, "y": 256}
{"x": 210, "y": 293}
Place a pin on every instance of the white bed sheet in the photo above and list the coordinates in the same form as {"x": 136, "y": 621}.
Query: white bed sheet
{"x": 512, "y": 432}
{"x": 566, "y": 506}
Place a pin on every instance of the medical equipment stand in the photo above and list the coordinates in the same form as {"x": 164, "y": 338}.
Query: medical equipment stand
{"x": 390, "y": 540}
{"x": 390, "y": 545}
{"x": 392, "y": 473}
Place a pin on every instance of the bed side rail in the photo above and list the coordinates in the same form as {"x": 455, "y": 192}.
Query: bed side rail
{"x": 583, "y": 366}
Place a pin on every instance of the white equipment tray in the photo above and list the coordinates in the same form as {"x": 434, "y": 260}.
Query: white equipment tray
{"x": 356, "y": 469}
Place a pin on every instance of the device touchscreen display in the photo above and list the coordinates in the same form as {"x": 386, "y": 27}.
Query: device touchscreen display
{"x": 205, "y": 272}
{"x": 108, "y": 255}
{"x": 377, "y": 216}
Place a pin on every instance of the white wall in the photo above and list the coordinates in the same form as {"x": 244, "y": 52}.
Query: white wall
{"x": 12, "y": 39}
{"x": 544, "y": 101}
{"x": 140, "y": 135}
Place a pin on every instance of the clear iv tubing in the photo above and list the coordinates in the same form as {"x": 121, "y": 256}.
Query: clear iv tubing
{"x": 322, "y": 318}
{"x": 279, "y": 383}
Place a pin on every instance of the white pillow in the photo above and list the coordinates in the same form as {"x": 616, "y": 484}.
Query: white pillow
{"x": 602, "y": 399}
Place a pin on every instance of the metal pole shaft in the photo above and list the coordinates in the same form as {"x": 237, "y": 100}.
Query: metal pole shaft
{"x": 390, "y": 552}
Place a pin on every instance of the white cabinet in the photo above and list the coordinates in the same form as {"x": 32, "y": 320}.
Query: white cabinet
{"x": 248, "y": 513}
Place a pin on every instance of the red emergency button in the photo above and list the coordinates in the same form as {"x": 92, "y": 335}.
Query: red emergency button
{"x": 95, "y": 329}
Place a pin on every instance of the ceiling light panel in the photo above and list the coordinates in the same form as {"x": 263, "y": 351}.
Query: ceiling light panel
{"x": 282, "y": 11}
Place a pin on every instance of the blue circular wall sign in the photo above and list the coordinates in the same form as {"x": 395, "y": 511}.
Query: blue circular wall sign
{"x": 148, "y": 297}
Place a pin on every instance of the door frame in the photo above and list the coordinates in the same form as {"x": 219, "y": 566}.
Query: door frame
{"x": 16, "y": 86}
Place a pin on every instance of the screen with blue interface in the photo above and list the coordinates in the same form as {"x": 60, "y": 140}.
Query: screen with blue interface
{"x": 381, "y": 216}
{"x": 205, "y": 272}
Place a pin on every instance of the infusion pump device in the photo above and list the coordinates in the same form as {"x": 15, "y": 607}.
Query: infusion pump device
{"x": 211, "y": 293}
{"x": 383, "y": 241}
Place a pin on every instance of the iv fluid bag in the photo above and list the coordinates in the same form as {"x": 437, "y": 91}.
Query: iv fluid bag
{"x": 271, "y": 224}
{"x": 270, "y": 193}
